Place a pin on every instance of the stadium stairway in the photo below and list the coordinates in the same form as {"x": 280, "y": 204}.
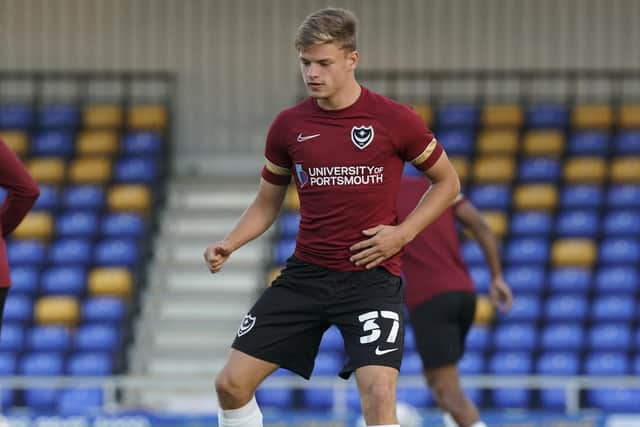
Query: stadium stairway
{"x": 189, "y": 317}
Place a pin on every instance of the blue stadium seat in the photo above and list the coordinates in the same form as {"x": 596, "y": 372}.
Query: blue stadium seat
{"x": 97, "y": 337}
{"x": 103, "y": 310}
{"x": 547, "y": 116}
{"x": 611, "y": 336}
{"x": 89, "y": 364}
{"x": 527, "y": 251}
{"x": 409, "y": 338}
{"x": 511, "y": 397}
{"x": 489, "y": 197}
{"x": 84, "y": 197}
{"x": 80, "y": 401}
{"x": 18, "y": 308}
{"x": 581, "y": 196}
{"x": 566, "y": 307}
{"x": 136, "y": 169}
{"x": 288, "y": 224}
{"x": 478, "y": 338}
{"x": 123, "y": 224}
{"x": 418, "y": 397}
{"x": 77, "y": 224}
{"x": 636, "y": 360}
{"x": 67, "y": 280}
{"x": 49, "y": 339}
{"x": 556, "y": 364}
{"x": 606, "y": 363}
{"x": 525, "y": 278}
{"x": 53, "y": 143}
{"x": 332, "y": 340}
{"x": 516, "y": 336}
{"x": 531, "y": 223}
{"x": 539, "y": 169}
{"x": 510, "y": 363}
{"x": 283, "y": 250}
{"x": 411, "y": 364}
{"x": 59, "y": 116}
{"x": 48, "y": 199}
{"x": 472, "y": 253}
{"x": 570, "y": 279}
{"x": 619, "y": 251}
{"x": 8, "y": 367}
{"x": 580, "y": 223}
{"x": 591, "y": 142}
{"x": 71, "y": 252}
{"x": 116, "y": 252}
{"x": 315, "y": 397}
{"x": 41, "y": 364}
{"x": 16, "y": 116}
{"x": 457, "y": 116}
{"x": 11, "y": 340}
{"x": 26, "y": 252}
{"x": 627, "y": 142}
{"x": 481, "y": 278}
{"x": 328, "y": 364}
{"x": 613, "y": 308}
{"x": 472, "y": 363}
{"x": 142, "y": 144}
{"x": 617, "y": 279}
{"x": 624, "y": 196}
{"x": 526, "y": 308}
{"x": 410, "y": 170}
{"x": 24, "y": 280}
{"x": 562, "y": 336}
{"x": 622, "y": 223}
{"x": 614, "y": 399}
{"x": 456, "y": 142}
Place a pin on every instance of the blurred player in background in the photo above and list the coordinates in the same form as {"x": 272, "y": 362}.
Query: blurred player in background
{"x": 346, "y": 146}
{"x": 441, "y": 298}
{"x": 22, "y": 193}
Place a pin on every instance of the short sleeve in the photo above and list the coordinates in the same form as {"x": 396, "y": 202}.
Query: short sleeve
{"x": 277, "y": 167}
{"x": 417, "y": 143}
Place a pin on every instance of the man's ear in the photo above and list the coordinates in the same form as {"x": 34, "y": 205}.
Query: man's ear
{"x": 353, "y": 58}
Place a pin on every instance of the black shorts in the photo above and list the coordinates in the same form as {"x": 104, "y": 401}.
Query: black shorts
{"x": 440, "y": 327}
{"x": 287, "y": 322}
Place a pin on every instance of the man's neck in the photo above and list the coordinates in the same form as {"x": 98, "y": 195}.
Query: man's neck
{"x": 345, "y": 98}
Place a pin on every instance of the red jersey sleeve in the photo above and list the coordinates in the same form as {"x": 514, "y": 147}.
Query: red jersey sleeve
{"x": 417, "y": 143}
{"x": 277, "y": 167}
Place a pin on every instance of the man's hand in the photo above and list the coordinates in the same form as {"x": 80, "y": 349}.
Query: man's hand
{"x": 500, "y": 294}
{"x": 384, "y": 242}
{"x": 217, "y": 254}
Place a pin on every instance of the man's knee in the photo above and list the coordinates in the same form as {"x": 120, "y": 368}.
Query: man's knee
{"x": 379, "y": 394}
{"x": 230, "y": 390}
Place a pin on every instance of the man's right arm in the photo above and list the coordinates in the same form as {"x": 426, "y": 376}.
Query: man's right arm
{"x": 255, "y": 220}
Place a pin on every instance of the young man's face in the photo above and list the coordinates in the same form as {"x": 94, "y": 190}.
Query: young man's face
{"x": 326, "y": 68}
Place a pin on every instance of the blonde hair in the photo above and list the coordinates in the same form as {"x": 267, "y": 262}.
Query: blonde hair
{"x": 330, "y": 25}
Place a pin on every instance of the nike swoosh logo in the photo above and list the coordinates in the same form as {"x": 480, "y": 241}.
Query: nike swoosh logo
{"x": 305, "y": 138}
{"x": 381, "y": 352}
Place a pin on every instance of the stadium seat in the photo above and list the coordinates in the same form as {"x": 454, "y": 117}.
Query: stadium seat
{"x": 59, "y": 116}
{"x": 332, "y": 340}
{"x": 510, "y": 363}
{"x": 78, "y": 224}
{"x": 589, "y": 143}
{"x": 573, "y": 253}
{"x": 629, "y": 116}
{"x": 117, "y": 252}
{"x": 497, "y": 142}
{"x": 18, "y": 309}
{"x": 613, "y": 308}
{"x": 80, "y": 401}
{"x": 8, "y": 363}
{"x": 472, "y": 363}
{"x": 90, "y": 364}
{"x": 57, "y": 310}
{"x": 606, "y": 363}
{"x": 47, "y": 170}
{"x": 97, "y": 337}
{"x": 568, "y": 279}
{"x": 102, "y": 116}
{"x": 288, "y": 224}
{"x": 539, "y": 169}
{"x": 409, "y": 338}
{"x": 502, "y": 115}
{"x": 626, "y": 143}
{"x": 497, "y": 222}
{"x": 492, "y": 196}
{"x": 625, "y": 170}
{"x": 494, "y": 169}
{"x": 142, "y": 144}
{"x": 136, "y": 170}
{"x": 585, "y": 170}
{"x": 273, "y": 274}
{"x": 71, "y": 251}
{"x": 457, "y": 116}
{"x": 424, "y": 112}
{"x": 456, "y": 142}
{"x": 148, "y": 117}
{"x": 558, "y": 336}
{"x": 531, "y": 223}
{"x": 55, "y": 143}
{"x": 621, "y": 278}
{"x": 103, "y": 310}
{"x": 283, "y": 250}
{"x": 461, "y": 165}
{"x": 592, "y": 116}
{"x": 547, "y": 116}
{"x": 16, "y": 116}
{"x": 129, "y": 198}
{"x": 619, "y": 399}
{"x": 83, "y": 197}
{"x": 97, "y": 143}
{"x": 516, "y": 337}
{"x": 485, "y": 312}
{"x": 48, "y": 200}
{"x": 36, "y": 225}
{"x": 581, "y": 196}
{"x": 114, "y": 281}
{"x": 41, "y": 364}
{"x": 317, "y": 398}
{"x": 291, "y": 199}
{"x": 623, "y": 196}
{"x": 31, "y": 253}
{"x": 535, "y": 197}
{"x": 472, "y": 253}
{"x": 328, "y": 363}
{"x": 511, "y": 397}
{"x": 123, "y": 224}
{"x": 16, "y": 140}
{"x": 556, "y": 364}
{"x": 539, "y": 143}
{"x": 90, "y": 170}
{"x": 478, "y": 338}
{"x": 525, "y": 308}
{"x": 11, "y": 341}
{"x": 411, "y": 364}
{"x": 50, "y": 338}
{"x": 619, "y": 251}
{"x": 622, "y": 223}
{"x": 67, "y": 280}
{"x": 577, "y": 223}
{"x": 527, "y": 251}
{"x": 24, "y": 280}
{"x": 525, "y": 278}
{"x": 610, "y": 337}
{"x": 566, "y": 307}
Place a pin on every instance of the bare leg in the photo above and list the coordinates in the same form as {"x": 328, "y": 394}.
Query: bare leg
{"x": 445, "y": 384}
{"x": 377, "y": 387}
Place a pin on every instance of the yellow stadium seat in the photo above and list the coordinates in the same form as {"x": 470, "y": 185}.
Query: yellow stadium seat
{"x": 497, "y": 222}
{"x": 16, "y": 140}
{"x": 273, "y": 274}
{"x": 129, "y": 198}
{"x": 498, "y": 141}
{"x": 625, "y": 170}
{"x": 543, "y": 143}
{"x": 461, "y": 166}
{"x": 90, "y": 170}
{"x": 592, "y": 116}
{"x": 36, "y": 225}
{"x": 153, "y": 117}
{"x": 98, "y": 143}
{"x": 535, "y": 197}
{"x": 592, "y": 170}
{"x": 425, "y": 112}
{"x": 104, "y": 116}
{"x": 116, "y": 282}
{"x": 47, "y": 170}
{"x": 491, "y": 169}
{"x": 573, "y": 252}
{"x": 484, "y": 311}
{"x": 63, "y": 310}
{"x": 629, "y": 117}
{"x": 291, "y": 199}
{"x": 508, "y": 115}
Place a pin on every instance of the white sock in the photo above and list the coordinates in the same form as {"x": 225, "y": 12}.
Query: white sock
{"x": 479, "y": 424}
{"x": 448, "y": 420}
{"x": 247, "y": 416}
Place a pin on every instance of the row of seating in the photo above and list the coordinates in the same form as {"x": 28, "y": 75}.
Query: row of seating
{"x": 104, "y": 337}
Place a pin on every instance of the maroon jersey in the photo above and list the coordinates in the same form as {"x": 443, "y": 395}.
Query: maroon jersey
{"x": 432, "y": 262}
{"x": 347, "y": 165}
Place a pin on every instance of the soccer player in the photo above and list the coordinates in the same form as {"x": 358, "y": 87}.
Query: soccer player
{"x": 22, "y": 193}
{"x": 440, "y": 296}
{"x": 345, "y": 147}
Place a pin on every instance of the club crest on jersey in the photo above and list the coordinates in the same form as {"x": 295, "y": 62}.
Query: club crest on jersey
{"x": 362, "y": 136}
{"x": 246, "y": 325}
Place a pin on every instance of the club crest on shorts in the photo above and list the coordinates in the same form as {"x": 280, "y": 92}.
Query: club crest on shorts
{"x": 246, "y": 325}
{"x": 362, "y": 136}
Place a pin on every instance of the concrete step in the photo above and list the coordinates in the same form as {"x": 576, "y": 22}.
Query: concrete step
{"x": 199, "y": 310}
{"x": 191, "y": 251}
{"x": 231, "y": 280}
{"x": 224, "y": 200}
{"x": 205, "y": 365}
